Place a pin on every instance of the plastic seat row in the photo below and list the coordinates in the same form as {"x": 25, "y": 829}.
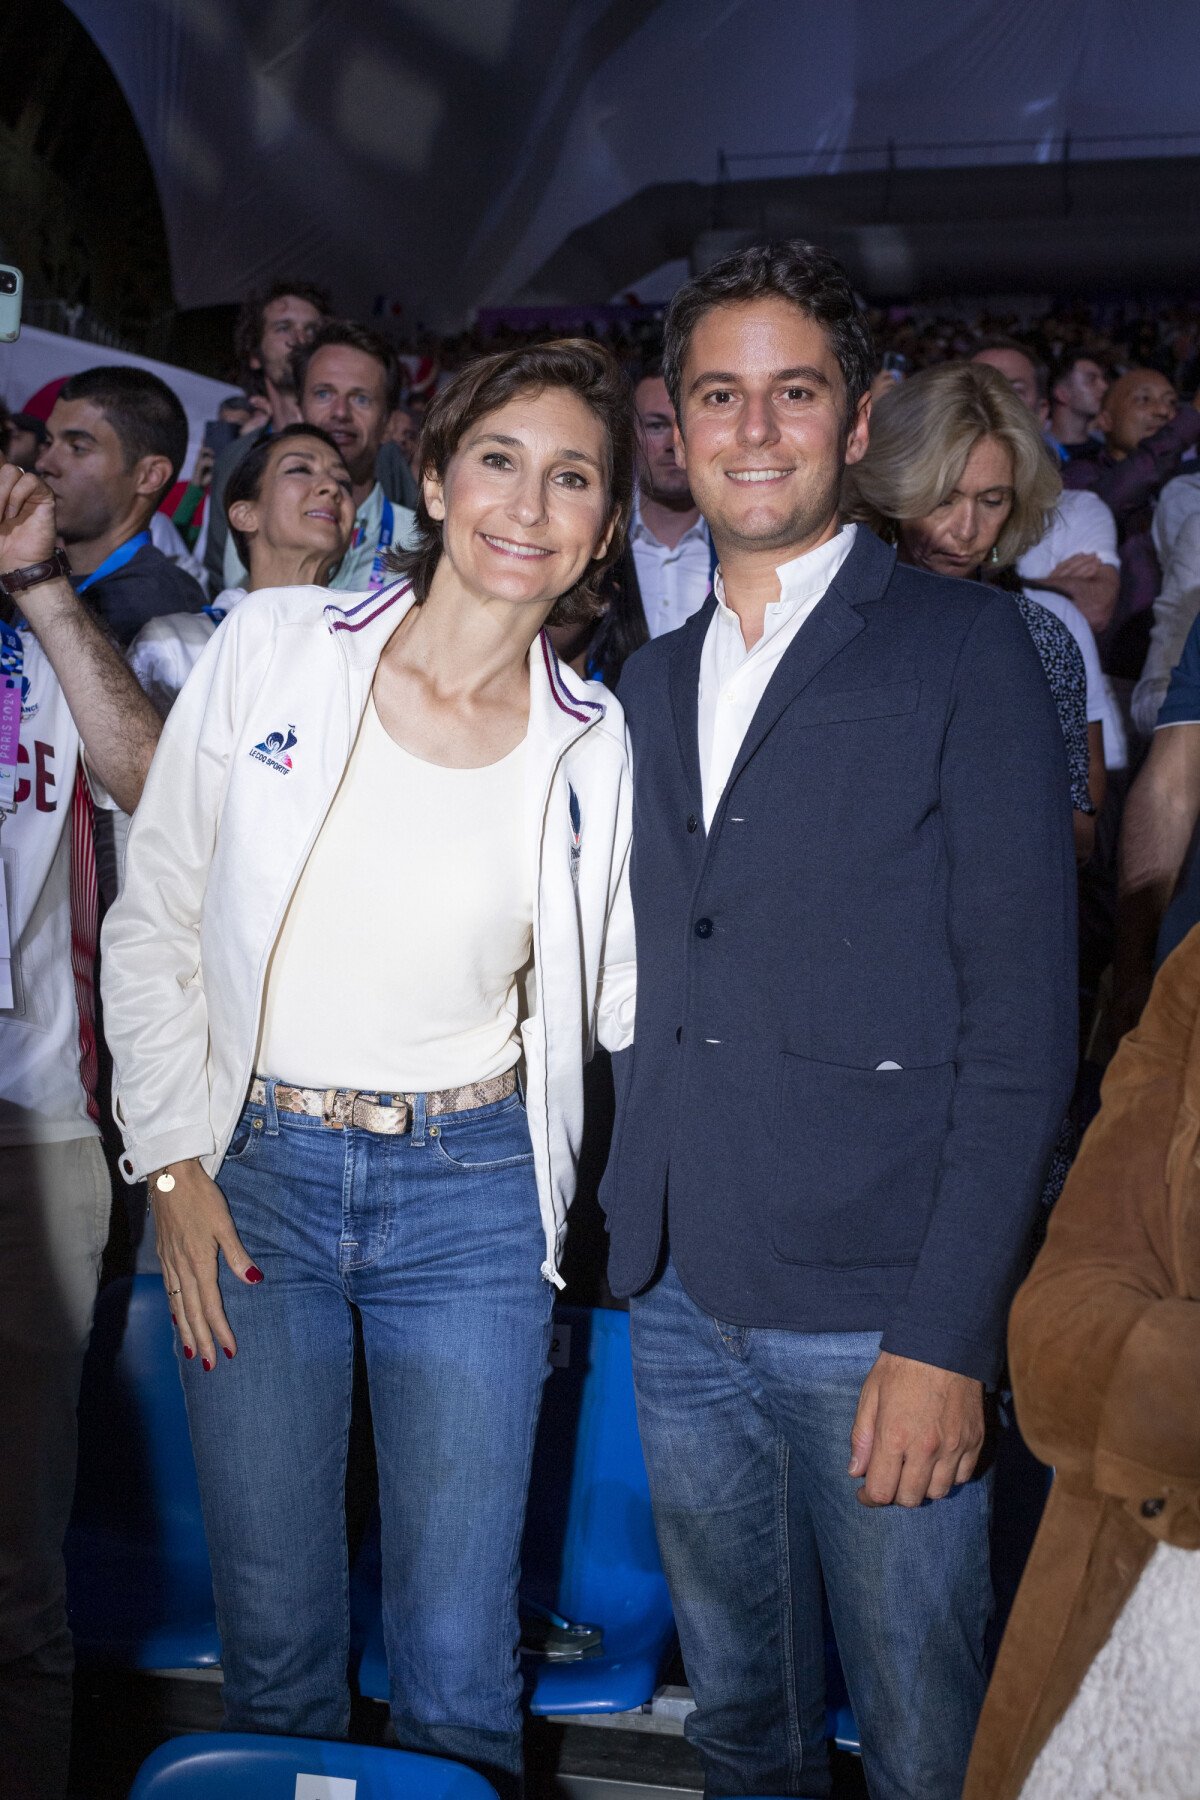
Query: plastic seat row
{"x": 229, "y": 1766}
{"x": 138, "y": 1575}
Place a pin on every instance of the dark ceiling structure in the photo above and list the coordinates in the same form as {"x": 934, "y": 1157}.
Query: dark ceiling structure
{"x": 425, "y": 157}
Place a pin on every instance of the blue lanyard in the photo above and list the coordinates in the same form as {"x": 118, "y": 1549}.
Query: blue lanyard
{"x": 115, "y": 560}
{"x": 713, "y": 561}
{"x": 12, "y": 671}
{"x": 387, "y": 527}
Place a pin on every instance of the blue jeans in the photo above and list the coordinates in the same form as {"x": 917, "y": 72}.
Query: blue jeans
{"x": 747, "y": 1438}
{"x": 436, "y": 1238}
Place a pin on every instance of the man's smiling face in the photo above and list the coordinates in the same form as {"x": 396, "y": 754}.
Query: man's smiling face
{"x": 763, "y": 431}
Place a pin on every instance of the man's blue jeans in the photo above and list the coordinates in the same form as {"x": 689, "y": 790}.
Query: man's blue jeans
{"x": 436, "y": 1239}
{"x": 747, "y": 1441}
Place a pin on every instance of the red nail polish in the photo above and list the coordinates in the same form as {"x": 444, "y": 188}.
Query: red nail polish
{"x": 205, "y": 1364}
{"x": 229, "y": 1353}
{"x": 253, "y": 1274}
{"x": 188, "y": 1352}
{"x": 174, "y": 1320}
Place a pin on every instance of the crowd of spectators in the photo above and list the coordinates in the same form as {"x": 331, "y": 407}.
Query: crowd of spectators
{"x": 1050, "y": 454}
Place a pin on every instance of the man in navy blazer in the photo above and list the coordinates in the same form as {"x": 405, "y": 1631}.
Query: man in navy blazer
{"x": 854, "y": 881}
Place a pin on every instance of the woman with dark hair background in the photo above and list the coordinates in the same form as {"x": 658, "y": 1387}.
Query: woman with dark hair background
{"x": 290, "y": 513}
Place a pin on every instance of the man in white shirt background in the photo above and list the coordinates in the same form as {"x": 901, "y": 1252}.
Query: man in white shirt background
{"x": 1077, "y": 556}
{"x": 1074, "y": 569}
{"x": 65, "y": 696}
{"x": 669, "y": 542}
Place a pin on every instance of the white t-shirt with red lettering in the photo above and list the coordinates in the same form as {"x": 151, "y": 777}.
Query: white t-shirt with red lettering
{"x": 48, "y": 1055}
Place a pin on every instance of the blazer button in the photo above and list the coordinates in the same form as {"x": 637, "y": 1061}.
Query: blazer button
{"x": 1152, "y": 1508}
{"x": 693, "y": 823}
{"x": 704, "y": 928}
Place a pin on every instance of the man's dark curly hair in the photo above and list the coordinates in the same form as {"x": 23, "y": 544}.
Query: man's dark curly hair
{"x": 248, "y": 330}
{"x": 811, "y": 278}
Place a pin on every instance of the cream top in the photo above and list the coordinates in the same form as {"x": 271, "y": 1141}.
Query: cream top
{"x": 398, "y": 964}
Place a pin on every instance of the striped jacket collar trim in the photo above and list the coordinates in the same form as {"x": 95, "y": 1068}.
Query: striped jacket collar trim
{"x": 574, "y": 705}
{"x": 367, "y": 610}
{"x": 395, "y": 601}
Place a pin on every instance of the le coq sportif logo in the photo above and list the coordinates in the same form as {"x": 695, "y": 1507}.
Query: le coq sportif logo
{"x": 274, "y": 750}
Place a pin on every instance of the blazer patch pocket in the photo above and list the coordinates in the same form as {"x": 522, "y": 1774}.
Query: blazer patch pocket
{"x": 885, "y": 702}
{"x": 858, "y": 1153}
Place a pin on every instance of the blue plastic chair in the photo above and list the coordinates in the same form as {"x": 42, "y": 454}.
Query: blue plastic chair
{"x": 589, "y": 1552}
{"x": 139, "y": 1589}
{"x": 230, "y": 1766}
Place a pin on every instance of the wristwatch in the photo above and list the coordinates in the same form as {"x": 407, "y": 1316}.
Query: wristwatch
{"x": 51, "y": 568}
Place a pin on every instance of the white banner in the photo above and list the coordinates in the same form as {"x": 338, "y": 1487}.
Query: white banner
{"x": 39, "y": 357}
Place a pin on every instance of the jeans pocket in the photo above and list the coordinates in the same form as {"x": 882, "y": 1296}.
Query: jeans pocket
{"x": 246, "y": 1133}
{"x": 490, "y": 1138}
{"x": 857, "y": 1161}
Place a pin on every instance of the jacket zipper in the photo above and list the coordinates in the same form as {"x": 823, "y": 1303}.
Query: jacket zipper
{"x": 549, "y": 1268}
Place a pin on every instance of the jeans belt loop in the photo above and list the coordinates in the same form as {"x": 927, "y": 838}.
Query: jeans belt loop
{"x": 418, "y": 1121}
{"x": 272, "y": 1125}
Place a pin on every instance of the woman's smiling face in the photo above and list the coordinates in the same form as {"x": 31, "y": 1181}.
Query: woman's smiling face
{"x": 525, "y": 502}
{"x": 304, "y": 501}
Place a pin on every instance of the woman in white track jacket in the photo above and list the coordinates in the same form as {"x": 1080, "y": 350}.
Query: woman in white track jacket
{"x": 375, "y": 913}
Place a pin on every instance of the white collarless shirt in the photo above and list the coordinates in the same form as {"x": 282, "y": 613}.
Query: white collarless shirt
{"x": 674, "y": 579}
{"x": 733, "y": 679}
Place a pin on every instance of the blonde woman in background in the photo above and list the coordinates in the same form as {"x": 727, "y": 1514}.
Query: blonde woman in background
{"x": 957, "y": 477}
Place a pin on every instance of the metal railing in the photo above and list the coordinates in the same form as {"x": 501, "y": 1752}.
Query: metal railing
{"x": 73, "y": 319}
{"x": 894, "y": 153}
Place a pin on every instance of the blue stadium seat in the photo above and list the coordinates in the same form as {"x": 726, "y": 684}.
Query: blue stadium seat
{"x": 228, "y": 1767}
{"x": 589, "y": 1552}
{"x": 138, "y": 1584}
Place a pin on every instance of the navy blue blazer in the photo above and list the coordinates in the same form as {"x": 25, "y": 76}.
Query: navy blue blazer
{"x": 889, "y": 879}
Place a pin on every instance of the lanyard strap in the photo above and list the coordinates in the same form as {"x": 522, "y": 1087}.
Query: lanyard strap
{"x": 12, "y": 693}
{"x": 387, "y": 527}
{"x": 115, "y": 560}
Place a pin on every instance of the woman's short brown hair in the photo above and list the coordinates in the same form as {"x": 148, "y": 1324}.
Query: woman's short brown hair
{"x": 922, "y": 432}
{"x": 583, "y": 368}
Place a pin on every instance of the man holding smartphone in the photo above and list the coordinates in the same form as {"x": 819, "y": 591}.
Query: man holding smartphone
{"x": 72, "y": 718}
{"x": 271, "y": 325}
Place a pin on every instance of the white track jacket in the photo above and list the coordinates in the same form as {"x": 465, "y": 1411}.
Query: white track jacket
{"x": 249, "y": 761}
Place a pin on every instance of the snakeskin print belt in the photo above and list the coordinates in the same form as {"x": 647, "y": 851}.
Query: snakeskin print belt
{"x": 342, "y": 1109}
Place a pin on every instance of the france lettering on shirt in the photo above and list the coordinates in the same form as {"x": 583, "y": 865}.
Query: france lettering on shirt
{"x": 42, "y": 783}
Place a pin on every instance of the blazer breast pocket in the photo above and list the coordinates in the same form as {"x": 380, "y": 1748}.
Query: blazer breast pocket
{"x": 888, "y": 701}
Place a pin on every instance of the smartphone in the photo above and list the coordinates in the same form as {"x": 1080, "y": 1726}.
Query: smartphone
{"x": 218, "y": 434}
{"x": 12, "y": 287}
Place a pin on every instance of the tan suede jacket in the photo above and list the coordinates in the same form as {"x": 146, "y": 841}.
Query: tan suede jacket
{"x": 1104, "y": 1346}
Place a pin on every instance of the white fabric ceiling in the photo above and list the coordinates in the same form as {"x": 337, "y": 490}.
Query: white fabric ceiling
{"x": 437, "y": 152}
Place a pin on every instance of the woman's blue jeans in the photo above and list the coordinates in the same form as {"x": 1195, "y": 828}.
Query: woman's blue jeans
{"x": 436, "y": 1238}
